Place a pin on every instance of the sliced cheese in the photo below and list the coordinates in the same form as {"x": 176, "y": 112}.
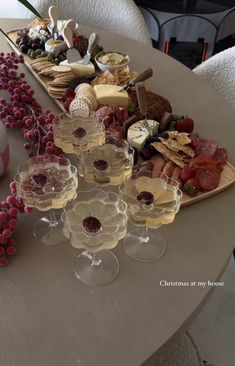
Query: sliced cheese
{"x": 111, "y": 95}
{"x": 79, "y": 69}
{"x": 140, "y": 131}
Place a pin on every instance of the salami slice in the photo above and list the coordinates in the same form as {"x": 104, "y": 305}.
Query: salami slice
{"x": 221, "y": 155}
{"x": 208, "y": 176}
{"x": 206, "y": 147}
{"x": 203, "y": 160}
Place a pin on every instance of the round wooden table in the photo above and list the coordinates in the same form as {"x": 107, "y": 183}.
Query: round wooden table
{"x": 49, "y": 318}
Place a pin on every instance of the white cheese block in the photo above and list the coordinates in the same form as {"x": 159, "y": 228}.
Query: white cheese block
{"x": 140, "y": 131}
{"x": 111, "y": 95}
{"x": 55, "y": 47}
{"x": 79, "y": 69}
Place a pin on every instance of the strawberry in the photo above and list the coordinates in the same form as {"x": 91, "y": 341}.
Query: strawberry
{"x": 186, "y": 173}
{"x": 185, "y": 125}
{"x": 67, "y": 103}
{"x": 68, "y": 93}
{"x": 192, "y": 186}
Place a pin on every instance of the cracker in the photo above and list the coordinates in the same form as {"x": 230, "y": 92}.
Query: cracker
{"x": 169, "y": 154}
{"x": 183, "y": 138}
{"x": 174, "y": 145}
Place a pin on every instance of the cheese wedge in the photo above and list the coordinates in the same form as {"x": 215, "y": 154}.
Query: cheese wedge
{"x": 110, "y": 95}
{"x": 79, "y": 69}
{"x": 140, "y": 131}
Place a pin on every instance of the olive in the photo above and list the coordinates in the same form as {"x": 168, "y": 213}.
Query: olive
{"x": 33, "y": 55}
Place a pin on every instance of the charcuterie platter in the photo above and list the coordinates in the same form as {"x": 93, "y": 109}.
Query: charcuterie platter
{"x": 154, "y": 135}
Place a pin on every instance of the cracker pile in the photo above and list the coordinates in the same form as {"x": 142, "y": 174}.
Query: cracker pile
{"x": 175, "y": 148}
{"x": 61, "y": 76}
{"x": 85, "y": 100}
{"x": 117, "y": 77}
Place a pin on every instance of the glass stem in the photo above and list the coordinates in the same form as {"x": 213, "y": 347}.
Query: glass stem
{"x": 144, "y": 236}
{"x": 95, "y": 260}
{"x": 53, "y": 222}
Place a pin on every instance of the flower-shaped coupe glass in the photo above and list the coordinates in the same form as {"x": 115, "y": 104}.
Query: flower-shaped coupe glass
{"x": 109, "y": 164}
{"x": 151, "y": 202}
{"x": 75, "y": 134}
{"x": 96, "y": 221}
{"x": 47, "y": 182}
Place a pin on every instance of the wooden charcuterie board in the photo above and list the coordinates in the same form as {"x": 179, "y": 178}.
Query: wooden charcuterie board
{"x": 226, "y": 180}
{"x": 42, "y": 79}
{"x": 228, "y": 174}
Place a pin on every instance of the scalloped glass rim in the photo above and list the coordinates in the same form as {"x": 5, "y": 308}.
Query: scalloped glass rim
{"x": 73, "y": 170}
{"x": 100, "y": 196}
{"x": 143, "y": 211}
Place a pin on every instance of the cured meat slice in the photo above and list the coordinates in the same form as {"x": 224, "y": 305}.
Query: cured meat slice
{"x": 104, "y": 111}
{"x": 208, "y": 176}
{"x": 206, "y": 147}
{"x": 157, "y": 168}
{"x": 176, "y": 173}
{"x": 168, "y": 169}
{"x": 203, "y": 160}
{"x": 221, "y": 156}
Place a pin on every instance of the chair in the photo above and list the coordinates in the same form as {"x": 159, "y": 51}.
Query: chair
{"x": 118, "y": 16}
{"x": 183, "y": 352}
{"x": 219, "y": 72}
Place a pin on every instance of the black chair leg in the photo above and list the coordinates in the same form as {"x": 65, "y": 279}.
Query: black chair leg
{"x": 234, "y": 253}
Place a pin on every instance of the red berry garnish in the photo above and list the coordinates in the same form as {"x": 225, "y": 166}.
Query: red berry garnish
{"x": 79, "y": 132}
{"x": 3, "y": 261}
{"x": 40, "y": 179}
{"x": 91, "y": 224}
{"x": 101, "y": 164}
{"x": 145, "y": 197}
{"x": 11, "y": 250}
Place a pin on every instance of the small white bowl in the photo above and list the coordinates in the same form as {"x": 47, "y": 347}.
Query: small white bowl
{"x": 105, "y": 67}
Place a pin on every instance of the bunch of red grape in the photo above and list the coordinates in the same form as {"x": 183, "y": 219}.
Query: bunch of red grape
{"x": 21, "y": 111}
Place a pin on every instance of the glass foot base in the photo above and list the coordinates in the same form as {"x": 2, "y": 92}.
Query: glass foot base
{"x": 141, "y": 251}
{"x": 100, "y": 274}
{"x": 49, "y": 235}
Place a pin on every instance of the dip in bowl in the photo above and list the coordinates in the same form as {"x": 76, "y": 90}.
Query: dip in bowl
{"x": 112, "y": 60}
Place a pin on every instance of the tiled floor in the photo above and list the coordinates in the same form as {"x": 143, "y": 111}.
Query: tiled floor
{"x": 214, "y": 328}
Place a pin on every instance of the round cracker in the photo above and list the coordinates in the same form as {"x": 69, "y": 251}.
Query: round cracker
{"x": 84, "y": 88}
{"x": 80, "y": 107}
